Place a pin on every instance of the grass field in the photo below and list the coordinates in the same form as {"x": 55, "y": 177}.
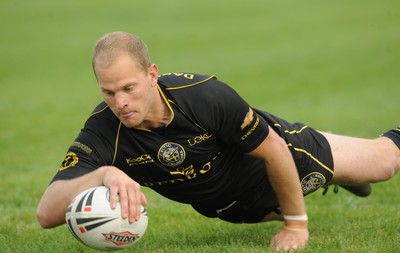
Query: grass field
{"x": 331, "y": 64}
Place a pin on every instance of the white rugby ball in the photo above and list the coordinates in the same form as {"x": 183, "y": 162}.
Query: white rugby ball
{"x": 91, "y": 220}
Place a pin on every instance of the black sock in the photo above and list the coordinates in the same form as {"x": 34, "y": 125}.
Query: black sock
{"x": 394, "y": 135}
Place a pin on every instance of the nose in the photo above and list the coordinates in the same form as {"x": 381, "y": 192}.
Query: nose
{"x": 121, "y": 101}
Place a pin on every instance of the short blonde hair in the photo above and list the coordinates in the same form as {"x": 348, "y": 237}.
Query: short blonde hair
{"x": 112, "y": 45}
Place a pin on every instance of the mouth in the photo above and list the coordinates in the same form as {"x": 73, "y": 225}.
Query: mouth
{"x": 125, "y": 115}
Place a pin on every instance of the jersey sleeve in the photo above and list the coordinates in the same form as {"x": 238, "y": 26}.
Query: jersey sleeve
{"x": 92, "y": 149}
{"x": 220, "y": 110}
{"x": 233, "y": 119}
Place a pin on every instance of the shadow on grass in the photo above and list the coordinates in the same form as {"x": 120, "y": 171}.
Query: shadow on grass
{"x": 210, "y": 235}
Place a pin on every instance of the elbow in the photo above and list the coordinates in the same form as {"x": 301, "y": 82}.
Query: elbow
{"x": 46, "y": 218}
{"x": 43, "y": 218}
{"x": 51, "y": 210}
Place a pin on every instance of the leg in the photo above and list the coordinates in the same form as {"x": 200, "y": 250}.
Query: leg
{"x": 359, "y": 161}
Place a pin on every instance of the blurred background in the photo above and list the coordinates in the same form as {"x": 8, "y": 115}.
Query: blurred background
{"x": 333, "y": 65}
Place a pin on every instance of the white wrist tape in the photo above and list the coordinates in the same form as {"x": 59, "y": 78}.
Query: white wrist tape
{"x": 303, "y": 217}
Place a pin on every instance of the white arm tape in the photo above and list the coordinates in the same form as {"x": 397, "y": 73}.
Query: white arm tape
{"x": 303, "y": 217}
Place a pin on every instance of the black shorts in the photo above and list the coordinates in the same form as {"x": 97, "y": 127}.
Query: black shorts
{"x": 313, "y": 158}
{"x": 250, "y": 207}
{"x": 311, "y": 152}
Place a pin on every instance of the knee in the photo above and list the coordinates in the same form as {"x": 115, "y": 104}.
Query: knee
{"x": 387, "y": 160}
{"x": 386, "y": 171}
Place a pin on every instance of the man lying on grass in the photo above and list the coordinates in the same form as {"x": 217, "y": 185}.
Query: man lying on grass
{"x": 194, "y": 140}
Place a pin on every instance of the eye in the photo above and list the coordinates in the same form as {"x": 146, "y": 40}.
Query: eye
{"x": 129, "y": 88}
{"x": 108, "y": 93}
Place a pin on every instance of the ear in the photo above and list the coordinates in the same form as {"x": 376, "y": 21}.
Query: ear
{"x": 153, "y": 74}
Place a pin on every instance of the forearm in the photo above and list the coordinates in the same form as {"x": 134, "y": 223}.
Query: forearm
{"x": 284, "y": 179}
{"x": 282, "y": 173}
{"x": 54, "y": 203}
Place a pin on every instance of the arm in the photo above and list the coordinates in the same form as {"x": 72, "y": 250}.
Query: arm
{"x": 285, "y": 181}
{"x": 54, "y": 203}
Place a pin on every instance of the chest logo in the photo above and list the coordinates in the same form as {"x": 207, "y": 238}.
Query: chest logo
{"x": 171, "y": 154}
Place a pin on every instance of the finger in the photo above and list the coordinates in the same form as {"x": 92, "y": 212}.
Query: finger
{"x": 132, "y": 205}
{"x": 274, "y": 243}
{"x": 143, "y": 199}
{"x": 123, "y": 201}
{"x": 283, "y": 242}
{"x": 134, "y": 202}
{"x": 138, "y": 205}
{"x": 113, "y": 197}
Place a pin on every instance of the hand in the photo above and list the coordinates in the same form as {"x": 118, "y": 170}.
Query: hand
{"x": 293, "y": 236}
{"x": 125, "y": 190}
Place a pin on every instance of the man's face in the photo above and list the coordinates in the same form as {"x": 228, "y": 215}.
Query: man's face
{"x": 128, "y": 90}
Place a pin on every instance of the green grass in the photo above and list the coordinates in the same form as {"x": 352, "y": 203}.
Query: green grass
{"x": 331, "y": 64}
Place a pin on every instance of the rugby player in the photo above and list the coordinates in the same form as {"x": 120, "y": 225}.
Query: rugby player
{"x": 194, "y": 140}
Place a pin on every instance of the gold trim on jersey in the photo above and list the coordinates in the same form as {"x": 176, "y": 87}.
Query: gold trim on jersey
{"x": 99, "y": 111}
{"x": 169, "y": 106}
{"x": 169, "y": 102}
{"x": 199, "y": 126}
{"x": 116, "y": 143}
{"x": 189, "y": 85}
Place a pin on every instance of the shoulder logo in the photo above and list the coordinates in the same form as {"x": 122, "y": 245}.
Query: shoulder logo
{"x": 82, "y": 146}
{"x": 171, "y": 154}
{"x": 70, "y": 160}
{"x": 312, "y": 182}
{"x": 247, "y": 119}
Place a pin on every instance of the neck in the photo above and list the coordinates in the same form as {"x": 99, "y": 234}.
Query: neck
{"x": 161, "y": 115}
{"x": 166, "y": 112}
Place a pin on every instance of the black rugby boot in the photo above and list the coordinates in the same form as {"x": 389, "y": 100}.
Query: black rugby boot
{"x": 362, "y": 190}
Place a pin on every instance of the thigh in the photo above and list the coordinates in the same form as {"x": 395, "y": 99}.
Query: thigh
{"x": 358, "y": 160}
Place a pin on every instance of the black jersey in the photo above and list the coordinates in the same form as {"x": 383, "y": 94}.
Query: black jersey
{"x": 200, "y": 157}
